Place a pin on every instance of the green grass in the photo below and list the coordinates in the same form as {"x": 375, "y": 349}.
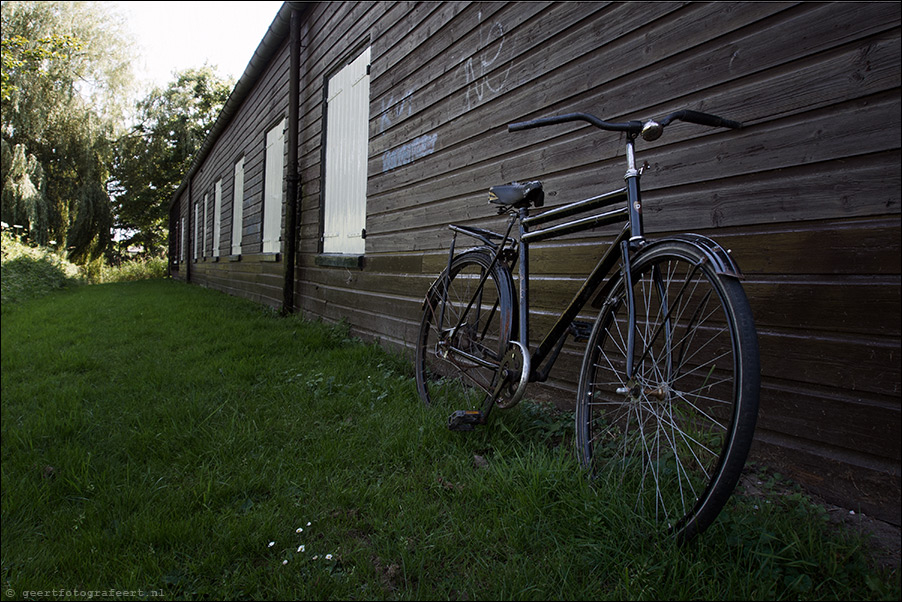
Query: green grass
{"x": 169, "y": 441}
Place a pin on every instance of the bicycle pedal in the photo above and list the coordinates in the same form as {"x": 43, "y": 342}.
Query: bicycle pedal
{"x": 464, "y": 420}
{"x": 581, "y": 331}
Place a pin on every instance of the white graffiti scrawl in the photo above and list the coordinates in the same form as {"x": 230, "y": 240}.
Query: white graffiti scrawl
{"x": 478, "y": 68}
{"x": 410, "y": 152}
{"x": 395, "y": 110}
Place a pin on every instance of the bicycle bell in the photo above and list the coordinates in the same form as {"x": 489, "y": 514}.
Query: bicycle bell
{"x": 652, "y": 130}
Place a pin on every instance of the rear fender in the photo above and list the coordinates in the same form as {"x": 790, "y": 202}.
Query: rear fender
{"x": 507, "y": 280}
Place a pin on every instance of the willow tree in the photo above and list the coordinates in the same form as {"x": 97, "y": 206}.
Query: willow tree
{"x": 66, "y": 79}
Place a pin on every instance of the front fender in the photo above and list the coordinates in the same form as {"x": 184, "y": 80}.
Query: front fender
{"x": 720, "y": 258}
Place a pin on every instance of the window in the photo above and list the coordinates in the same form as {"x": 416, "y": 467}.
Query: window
{"x": 183, "y": 249}
{"x": 197, "y": 215}
{"x": 203, "y": 225}
{"x": 272, "y": 187}
{"x": 347, "y": 146}
{"x": 217, "y": 216}
{"x": 237, "y": 206}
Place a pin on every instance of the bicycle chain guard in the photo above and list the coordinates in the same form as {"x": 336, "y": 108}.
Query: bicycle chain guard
{"x": 513, "y": 376}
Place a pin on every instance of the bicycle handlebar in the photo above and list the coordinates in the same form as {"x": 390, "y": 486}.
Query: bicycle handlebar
{"x": 650, "y": 130}
{"x": 632, "y": 126}
{"x": 701, "y": 119}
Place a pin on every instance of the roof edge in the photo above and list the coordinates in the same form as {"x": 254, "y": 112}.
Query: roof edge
{"x": 272, "y": 41}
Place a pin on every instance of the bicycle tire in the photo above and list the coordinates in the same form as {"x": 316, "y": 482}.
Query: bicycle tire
{"x": 444, "y": 374}
{"x": 674, "y": 438}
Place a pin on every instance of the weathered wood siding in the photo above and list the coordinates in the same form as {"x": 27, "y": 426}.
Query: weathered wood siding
{"x": 807, "y": 195}
{"x": 252, "y": 274}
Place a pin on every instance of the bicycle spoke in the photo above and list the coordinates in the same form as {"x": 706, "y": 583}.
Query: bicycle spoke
{"x": 464, "y": 333}
{"x": 665, "y": 433}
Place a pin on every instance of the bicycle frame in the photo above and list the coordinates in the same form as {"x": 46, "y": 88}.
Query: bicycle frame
{"x": 631, "y": 237}
{"x": 551, "y": 344}
{"x": 669, "y": 381}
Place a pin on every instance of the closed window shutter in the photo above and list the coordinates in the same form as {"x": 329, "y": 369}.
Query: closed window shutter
{"x": 196, "y": 229}
{"x": 217, "y": 216}
{"x": 238, "y": 207}
{"x": 272, "y": 191}
{"x": 347, "y": 146}
{"x": 203, "y": 226}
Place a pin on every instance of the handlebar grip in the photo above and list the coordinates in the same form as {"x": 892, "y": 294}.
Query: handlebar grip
{"x": 520, "y": 126}
{"x": 702, "y": 119}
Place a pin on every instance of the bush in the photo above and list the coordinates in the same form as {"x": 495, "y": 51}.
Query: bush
{"x": 135, "y": 269}
{"x": 29, "y": 272}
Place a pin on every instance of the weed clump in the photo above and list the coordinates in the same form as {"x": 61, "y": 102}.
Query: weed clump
{"x": 29, "y": 272}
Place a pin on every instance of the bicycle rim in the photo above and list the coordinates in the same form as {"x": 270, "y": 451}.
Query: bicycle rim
{"x": 672, "y": 438}
{"x": 466, "y": 326}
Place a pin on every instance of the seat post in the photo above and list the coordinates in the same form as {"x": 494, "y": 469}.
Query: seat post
{"x": 523, "y": 268}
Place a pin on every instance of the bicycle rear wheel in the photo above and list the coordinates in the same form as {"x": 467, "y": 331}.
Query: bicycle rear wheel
{"x": 464, "y": 334}
{"x": 674, "y": 436}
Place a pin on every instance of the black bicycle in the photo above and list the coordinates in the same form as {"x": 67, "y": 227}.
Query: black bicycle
{"x": 668, "y": 391}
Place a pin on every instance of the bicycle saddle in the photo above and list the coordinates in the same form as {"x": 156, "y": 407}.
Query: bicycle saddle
{"x": 517, "y": 194}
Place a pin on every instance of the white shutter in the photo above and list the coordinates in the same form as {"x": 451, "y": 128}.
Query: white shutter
{"x": 272, "y": 188}
{"x": 347, "y": 146}
{"x": 217, "y": 216}
{"x": 238, "y": 207}
{"x": 203, "y": 226}
{"x": 196, "y": 228}
{"x": 183, "y": 250}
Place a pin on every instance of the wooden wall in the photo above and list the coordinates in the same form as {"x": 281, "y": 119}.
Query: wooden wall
{"x": 252, "y": 274}
{"x": 807, "y": 195}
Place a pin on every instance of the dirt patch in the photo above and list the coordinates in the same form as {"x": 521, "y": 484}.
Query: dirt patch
{"x": 884, "y": 538}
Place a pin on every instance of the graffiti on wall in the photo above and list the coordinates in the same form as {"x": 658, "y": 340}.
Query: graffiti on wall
{"x": 393, "y": 110}
{"x": 482, "y": 83}
{"x": 485, "y": 77}
{"x": 410, "y": 152}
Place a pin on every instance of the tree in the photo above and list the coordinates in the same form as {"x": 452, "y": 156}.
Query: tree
{"x": 66, "y": 76}
{"x": 152, "y": 160}
{"x": 23, "y": 186}
{"x": 19, "y": 54}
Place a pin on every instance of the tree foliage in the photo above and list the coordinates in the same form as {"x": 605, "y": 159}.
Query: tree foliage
{"x": 154, "y": 157}
{"x": 24, "y": 56}
{"x": 66, "y": 75}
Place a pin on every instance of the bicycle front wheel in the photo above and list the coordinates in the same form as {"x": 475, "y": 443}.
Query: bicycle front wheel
{"x": 673, "y": 435}
{"x": 464, "y": 334}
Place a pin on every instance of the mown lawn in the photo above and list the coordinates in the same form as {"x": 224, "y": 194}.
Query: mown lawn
{"x": 163, "y": 441}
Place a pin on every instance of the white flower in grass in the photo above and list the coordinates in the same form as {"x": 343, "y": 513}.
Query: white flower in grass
{"x": 309, "y": 523}
{"x": 300, "y": 548}
{"x": 284, "y": 562}
{"x": 271, "y": 544}
{"x": 328, "y": 556}
{"x": 299, "y": 529}
{"x": 316, "y": 557}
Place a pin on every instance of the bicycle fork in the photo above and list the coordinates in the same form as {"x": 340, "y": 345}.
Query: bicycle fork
{"x": 637, "y": 239}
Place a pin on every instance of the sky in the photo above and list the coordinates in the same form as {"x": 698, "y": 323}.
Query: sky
{"x": 178, "y": 35}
